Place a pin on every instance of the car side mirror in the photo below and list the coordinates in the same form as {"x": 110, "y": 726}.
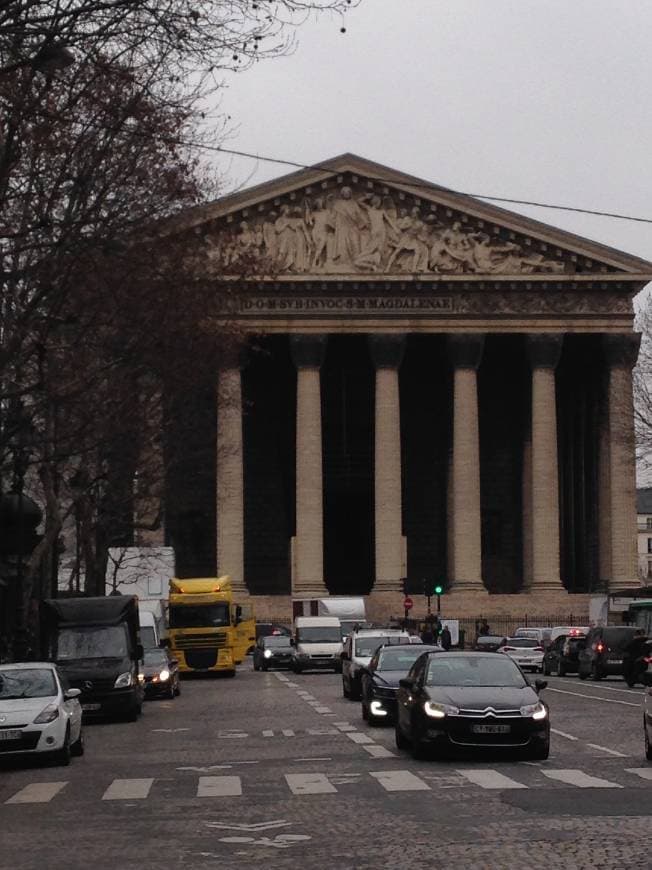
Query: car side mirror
{"x": 406, "y": 683}
{"x": 647, "y": 678}
{"x": 71, "y": 693}
{"x": 539, "y": 685}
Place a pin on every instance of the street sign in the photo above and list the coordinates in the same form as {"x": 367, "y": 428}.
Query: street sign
{"x": 408, "y": 604}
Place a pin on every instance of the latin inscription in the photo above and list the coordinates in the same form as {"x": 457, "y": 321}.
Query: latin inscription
{"x": 321, "y": 304}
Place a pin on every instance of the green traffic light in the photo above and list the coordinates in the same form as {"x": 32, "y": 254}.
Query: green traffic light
{"x": 439, "y": 590}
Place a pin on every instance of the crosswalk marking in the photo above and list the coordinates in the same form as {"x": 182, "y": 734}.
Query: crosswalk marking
{"x": 643, "y": 772}
{"x": 309, "y": 783}
{"x": 128, "y": 790}
{"x": 379, "y": 751}
{"x": 288, "y": 732}
{"x": 400, "y": 780}
{"x": 490, "y": 779}
{"x": 357, "y": 737}
{"x": 579, "y": 779}
{"x": 37, "y": 793}
{"x": 268, "y": 733}
{"x": 219, "y": 786}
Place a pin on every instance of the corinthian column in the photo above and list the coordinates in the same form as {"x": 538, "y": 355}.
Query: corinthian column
{"x": 466, "y": 352}
{"x": 308, "y": 553}
{"x": 621, "y": 352}
{"x": 230, "y": 489}
{"x": 544, "y": 352}
{"x": 387, "y": 354}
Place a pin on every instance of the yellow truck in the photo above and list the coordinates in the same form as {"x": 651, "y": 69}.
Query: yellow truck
{"x": 207, "y": 629}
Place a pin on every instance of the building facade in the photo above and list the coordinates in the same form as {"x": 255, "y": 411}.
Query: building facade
{"x": 431, "y": 388}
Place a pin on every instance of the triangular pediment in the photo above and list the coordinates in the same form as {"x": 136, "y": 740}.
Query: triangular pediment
{"x": 351, "y": 217}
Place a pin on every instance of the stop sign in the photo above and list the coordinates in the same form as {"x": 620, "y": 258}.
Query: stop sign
{"x": 408, "y": 604}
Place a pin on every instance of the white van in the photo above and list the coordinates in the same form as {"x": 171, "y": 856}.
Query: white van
{"x": 317, "y": 643}
{"x": 149, "y": 633}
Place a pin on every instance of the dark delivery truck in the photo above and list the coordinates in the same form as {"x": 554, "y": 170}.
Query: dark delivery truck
{"x": 95, "y": 644}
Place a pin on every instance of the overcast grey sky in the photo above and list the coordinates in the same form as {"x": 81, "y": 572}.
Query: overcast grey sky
{"x": 543, "y": 100}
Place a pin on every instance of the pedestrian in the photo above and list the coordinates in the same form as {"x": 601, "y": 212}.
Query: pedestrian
{"x": 445, "y": 639}
{"x": 633, "y": 652}
{"x": 484, "y": 628}
{"x": 427, "y": 635}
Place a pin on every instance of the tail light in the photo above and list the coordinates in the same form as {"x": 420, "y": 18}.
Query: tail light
{"x": 647, "y": 660}
{"x": 600, "y": 647}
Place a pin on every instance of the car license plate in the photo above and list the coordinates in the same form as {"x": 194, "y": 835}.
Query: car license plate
{"x": 490, "y": 729}
{"x": 10, "y": 735}
{"x": 90, "y": 707}
{"x": 615, "y": 661}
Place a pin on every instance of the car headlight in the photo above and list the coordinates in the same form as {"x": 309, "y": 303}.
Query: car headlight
{"x": 124, "y": 680}
{"x": 47, "y": 714}
{"x": 267, "y": 654}
{"x": 164, "y": 675}
{"x": 536, "y": 711}
{"x": 439, "y": 711}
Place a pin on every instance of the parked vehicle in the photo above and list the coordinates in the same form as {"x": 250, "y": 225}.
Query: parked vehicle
{"x": 317, "y": 644}
{"x": 94, "y": 642}
{"x": 161, "y": 674}
{"x": 562, "y": 656}
{"x": 40, "y": 713}
{"x": 358, "y": 650}
{"x": 541, "y": 634}
{"x": 467, "y": 700}
{"x": 569, "y": 631}
{"x": 603, "y": 652}
{"x": 527, "y": 652}
{"x": 489, "y": 643}
{"x": 149, "y": 631}
{"x": 379, "y": 680}
{"x": 273, "y": 651}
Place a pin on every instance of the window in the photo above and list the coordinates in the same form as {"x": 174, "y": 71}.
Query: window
{"x": 648, "y": 522}
{"x": 649, "y": 545}
{"x": 649, "y": 568}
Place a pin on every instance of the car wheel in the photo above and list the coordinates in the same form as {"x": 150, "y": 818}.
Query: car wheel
{"x": 171, "y": 692}
{"x": 365, "y": 712}
{"x": 582, "y": 675}
{"x": 229, "y": 673}
{"x": 177, "y": 687}
{"x": 418, "y": 749}
{"x": 540, "y": 752}
{"x": 561, "y": 670}
{"x": 546, "y": 670}
{"x": 77, "y": 748}
{"x": 62, "y": 756}
{"x": 648, "y": 747}
{"x": 595, "y": 673}
{"x": 264, "y": 667}
{"x": 345, "y": 692}
{"x": 256, "y": 667}
{"x": 401, "y": 740}
{"x": 354, "y": 691}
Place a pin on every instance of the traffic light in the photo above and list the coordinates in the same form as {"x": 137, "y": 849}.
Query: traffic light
{"x": 439, "y": 589}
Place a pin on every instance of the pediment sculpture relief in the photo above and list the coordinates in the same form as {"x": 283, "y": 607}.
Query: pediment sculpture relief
{"x": 351, "y": 232}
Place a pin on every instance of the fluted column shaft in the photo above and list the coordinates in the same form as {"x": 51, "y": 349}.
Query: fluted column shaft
{"x": 230, "y": 487}
{"x": 387, "y": 354}
{"x": 621, "y": 352}
{"x": 308, "y": 574}
{"x": 466, "y": 352}
{"x": 544, "y": 351}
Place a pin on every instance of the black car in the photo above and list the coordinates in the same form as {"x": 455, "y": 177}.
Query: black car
{"x": 469, "y": 700}
{"x": 604, "y": 651}
{"x": 265, "y": 629}
{"x": 272, "y": 651}
{"x": 379, "y": 680}
{"x": 161, "y": 674}
{"x": 489, "y": 642}
{"x": 562, "y": 656}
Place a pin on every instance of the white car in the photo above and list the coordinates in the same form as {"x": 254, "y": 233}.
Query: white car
{"x": 358, "y": 650}
{"x": 39, "y": 713}
{"x": 527, "y": 652}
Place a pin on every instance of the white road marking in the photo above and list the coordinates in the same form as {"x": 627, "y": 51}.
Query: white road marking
{"x": 268, "y": 733}
{"x": 37, "y": 793}
{"x": 563, "y": 734}
{"x": 490, "y": 779}
{"x": 338, "y": 724}
{"x": 606, "y": 749}
{"x": 282, "y": 678}
{"x": 345, "y": 726}
{"x": 379, "y": 751}
{"x": 292, "y": 685}
{"x": 288, "y": 732}
{"x": 592, "y": 697}
{"x": 231, "y": 734}
{"x": 604, "y": 688}
{"x": 309, "y": 783}
{"x": 579, "y": 779}
{"x": 357, "y": 737}
{"x": 244, "y": 826}
{"x": 128, "y": 790}
{"x": 317, "y": 732}
{"x": 400, "y": 780}
{"x": 323, "y": 710}
{"x": 168, "y": 730}
{"x": 219, "y": 786}
{"x": 327, "y": 758}
{"x": 643, "y": 772}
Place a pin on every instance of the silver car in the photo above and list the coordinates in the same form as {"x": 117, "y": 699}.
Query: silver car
{"x": 358, "y": 650}
{"x": 39, "y": 714}
{"x": 527, "y": 652}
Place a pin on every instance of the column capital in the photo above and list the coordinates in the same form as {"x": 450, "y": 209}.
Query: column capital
{"x": 387, "y": 350}
{"x": 544, "y": 350}
{"x": 308, "y": 351}
{"x": 465, "y": 349}
{"x": 621, "y": 350}
{"x": 232, "y": 355}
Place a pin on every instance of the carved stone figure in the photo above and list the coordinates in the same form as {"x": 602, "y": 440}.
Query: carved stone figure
{"x": 348, "y": 221}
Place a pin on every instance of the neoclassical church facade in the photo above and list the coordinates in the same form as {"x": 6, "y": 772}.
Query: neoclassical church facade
{"x": 432, "y": 388}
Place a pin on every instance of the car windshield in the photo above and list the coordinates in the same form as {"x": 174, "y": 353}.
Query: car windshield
{"x": 155, "y": 657}
{"x": 27, "y": 683}
{"x": 528, "y": 642}
{"x": 276, "y": 640}
{"x": 470, "y": 671}
{"x": 319, "y": 634}
{"x": 399, "y": 659}
{"x": 147, "y": 636}
{"x": 92, "y": 642}
{"x": 367, "y": 646}
{"x": 199, "y": 615}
